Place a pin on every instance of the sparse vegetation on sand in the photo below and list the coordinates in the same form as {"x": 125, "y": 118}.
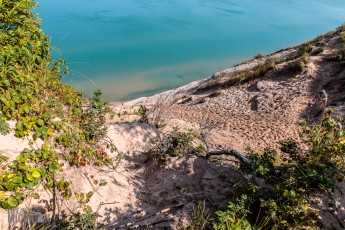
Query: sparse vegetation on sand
{"x": 64, "y": 130}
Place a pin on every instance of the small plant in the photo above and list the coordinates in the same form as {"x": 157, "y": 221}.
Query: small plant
{"x": 200, "y": 218}
{"x": 317, "y": 51}
{"x": 340, "y": 54}
{"x": 82, "y": 221}
{"x": 300, "y": 63}
{"x": 3, "y": 159}
{"x": 143, "y": 113}
{"x": 172, "y": 144}
{"x": 94, "y": 117}
{"x": 259, "y": 56}
{"x": 236, "y": 215}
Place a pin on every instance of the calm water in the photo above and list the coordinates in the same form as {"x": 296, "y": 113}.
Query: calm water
{"x": 131, "y": 48}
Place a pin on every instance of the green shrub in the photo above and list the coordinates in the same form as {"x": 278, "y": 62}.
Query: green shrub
{"x": 172, "y": 144}
{"x": 143, "y": 113}
{"x": 32, "y": 95}
{"x": 259, "y": 56}
{"x": 300, "y": 63}
{"x": 82, "y": 221}
{"x": 93, "y": 118}
{"x": 236, "y": 215}
{"x": 290, "y": 180}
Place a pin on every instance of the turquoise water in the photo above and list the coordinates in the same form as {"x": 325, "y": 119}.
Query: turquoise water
{"x": 132, "y": 48}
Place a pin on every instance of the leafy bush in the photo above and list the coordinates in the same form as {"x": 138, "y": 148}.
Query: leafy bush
{"x": 143, "y": 113}
{"x": 172, "y": 144}
{"x": 284, "y": 201}
{"x": 236, "y": 215}
{"x": 32, "y": 95}
{"x": 82, "y": 221}
{"x": 259, "y": 56}
{"x": 94, "y": 118}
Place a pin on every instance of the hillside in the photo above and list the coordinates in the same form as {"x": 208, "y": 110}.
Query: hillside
{"x": 300, "y": 82}
{"x": 283, "y": 89}
{"x": 176, "y": 160}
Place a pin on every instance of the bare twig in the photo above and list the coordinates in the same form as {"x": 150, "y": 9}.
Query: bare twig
{"x": 203, "y": 136}
{"x": 93, "y": 187}
{"x": 102, "y": 204}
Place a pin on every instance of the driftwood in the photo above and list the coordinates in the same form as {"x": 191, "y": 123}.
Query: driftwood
{"x": 233, "y": 153}
{"x": 151, "y": 223}
{"x": 134, "y": 225}
{"x": 229, "y": 152}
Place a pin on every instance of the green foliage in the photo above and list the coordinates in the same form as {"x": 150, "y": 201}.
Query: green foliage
{"x": 28, "y": 170}
{"x": 240, "y": 77}
{"x": 94, "y": 118}
{"x": 32, "y": 95}
{"x": 4, "y": 127}
{"x": 235, "y": 218}
{"x": 340, "y": 54}
{"x": 143, "y": 113}
{"x": 200, "y": 219}
{"x": 82, "y": 221}
{"x": 284, "y": 201}
{"x": 259, "y": 56}
{"x": 301, "y": 58}
{"x": 172, "y": 144}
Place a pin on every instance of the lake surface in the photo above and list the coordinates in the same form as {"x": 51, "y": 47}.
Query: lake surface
{"x": 132, "y": 48}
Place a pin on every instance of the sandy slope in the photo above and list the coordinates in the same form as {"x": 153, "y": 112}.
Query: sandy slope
{"x": 259, "y": 113}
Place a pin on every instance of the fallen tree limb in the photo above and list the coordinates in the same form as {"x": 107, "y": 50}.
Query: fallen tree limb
{"x": 151, "y": 223}
{"x": 229, "y": 152}
{"x": 133, "y": 224}
{"x": 233, "y": 153}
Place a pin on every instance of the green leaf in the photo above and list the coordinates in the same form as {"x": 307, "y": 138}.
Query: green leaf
{"x": 12, "y": 202}
{"x": 17, "y": 180}
{"x": 36, "y": 174}
{"x": 286, "y": 194}
{"x": 3, "y": 99}
{"x": 30, "y": 177}
{"x": 40, "y": 122}
{"x": 35, "y": 195}
{"x": 29, "y": 185}
{"x": 89, "y": 195}
{"x": 19, "y": 125}
{"x": 5, "y": 205}
{"x": 54, "y": 168}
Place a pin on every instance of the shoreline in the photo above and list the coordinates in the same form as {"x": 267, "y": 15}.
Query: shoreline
{"x": 246, "y": 64}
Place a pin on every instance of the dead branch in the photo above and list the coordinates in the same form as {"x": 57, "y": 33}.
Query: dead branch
{"x": 229, "y": 152}
{"x": 234, "y": 153}
{"x": 203, "y": 136}
{"x": 151, "y": 223}
{"x": 132, "y": 225}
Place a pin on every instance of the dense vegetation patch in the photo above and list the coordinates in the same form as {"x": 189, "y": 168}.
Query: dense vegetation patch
{"x": 281, "y": 188}
{"x": 32, "y": 95}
